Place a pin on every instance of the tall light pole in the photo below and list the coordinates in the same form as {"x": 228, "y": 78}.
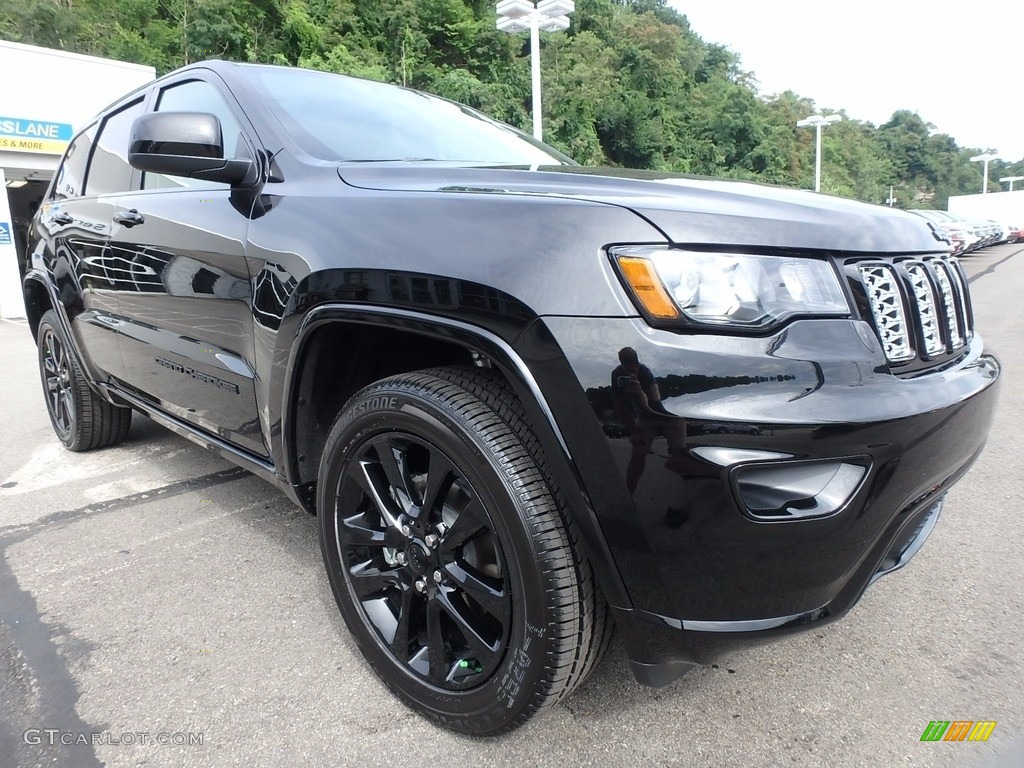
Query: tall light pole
{"x": 548, "y": 15}
{"x": 1011, "y": 179}
{"x": 818, "y": 122}
{"x": 986, "y": 159}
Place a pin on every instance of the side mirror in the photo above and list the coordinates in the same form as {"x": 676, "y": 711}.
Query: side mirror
{"x": 185, "y": 144}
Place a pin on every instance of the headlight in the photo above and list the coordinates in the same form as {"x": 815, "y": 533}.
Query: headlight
{"x": 733, "y": 289}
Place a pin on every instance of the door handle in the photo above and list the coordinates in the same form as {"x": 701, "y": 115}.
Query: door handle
{"x": 62, "y": 218}
{"x": 129, "y": 218}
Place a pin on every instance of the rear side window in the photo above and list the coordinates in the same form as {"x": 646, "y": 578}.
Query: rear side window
{"x": 71, "y": 176}
{"x": 109, "y": 172}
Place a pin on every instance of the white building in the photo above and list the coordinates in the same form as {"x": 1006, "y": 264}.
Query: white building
{"x": 1004, "y": 207}
{"x": 48, "y": 96}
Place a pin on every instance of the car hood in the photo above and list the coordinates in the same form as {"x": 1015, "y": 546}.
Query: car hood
{"x": 686, "y": 209}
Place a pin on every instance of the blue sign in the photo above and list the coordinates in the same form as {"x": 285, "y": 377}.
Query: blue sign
{"x": 5, "y": 233}
{"x": 23, "y": 128}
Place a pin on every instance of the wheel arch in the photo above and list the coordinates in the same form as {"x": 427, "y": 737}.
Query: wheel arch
{"x": 37, "y": 301}
{"x": 42, "y": 295}
{"x": 433, "y": 341}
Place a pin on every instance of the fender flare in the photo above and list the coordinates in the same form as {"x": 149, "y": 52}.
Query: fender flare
{"x": 38, "y": 276}
{"x": 523, "y": 382}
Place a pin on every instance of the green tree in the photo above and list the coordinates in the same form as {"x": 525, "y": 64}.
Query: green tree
{"x": 630, "y": 83}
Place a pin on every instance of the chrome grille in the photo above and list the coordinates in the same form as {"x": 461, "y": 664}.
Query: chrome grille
{"x": 924, "y": 295}
{"x": 885, "y": 298}
{"x": 942, "y": 275}
{"x": 920, "y": 307}
{"x": 963, "y": 298}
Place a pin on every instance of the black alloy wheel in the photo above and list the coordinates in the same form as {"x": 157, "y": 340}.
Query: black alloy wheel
{"x": 449, "y": 553}
{"x": 56, "y": 372}
{"x": 424, "y": 560}
{"x": 81, "y": 418}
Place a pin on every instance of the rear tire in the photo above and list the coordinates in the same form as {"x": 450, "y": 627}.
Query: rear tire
{"x": 82, "y": 420}
{"x": 449, "y": 555}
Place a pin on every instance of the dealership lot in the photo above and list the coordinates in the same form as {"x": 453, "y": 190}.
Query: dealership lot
{"x": 155, "y": 596}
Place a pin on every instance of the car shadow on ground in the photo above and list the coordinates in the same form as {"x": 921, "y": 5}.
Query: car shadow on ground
{"x": 610, "y": 690}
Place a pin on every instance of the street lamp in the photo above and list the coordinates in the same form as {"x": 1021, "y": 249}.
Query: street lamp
{"x": 818, "y": 122}
{"x": 986, "y": 159}
{"x": 549, "y": 15}
{"x": 1011, "y": 179}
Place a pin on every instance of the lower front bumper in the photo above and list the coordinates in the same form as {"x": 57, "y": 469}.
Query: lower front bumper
{"x": 663, "y": 648}
{"x": 704, "y": 577}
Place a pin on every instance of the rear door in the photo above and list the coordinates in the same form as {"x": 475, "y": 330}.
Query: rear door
{"x": 75, "y": 221}
{"x": 187, "y": 331}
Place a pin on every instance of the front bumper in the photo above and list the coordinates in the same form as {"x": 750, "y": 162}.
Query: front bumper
{"x": 703, "y": 577}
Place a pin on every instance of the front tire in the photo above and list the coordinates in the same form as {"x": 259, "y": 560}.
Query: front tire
{"x": 82, "y": 420}
{"x": 448, "y": 554}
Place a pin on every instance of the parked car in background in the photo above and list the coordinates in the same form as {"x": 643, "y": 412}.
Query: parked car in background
{"x": 970, "y": 234}
{"x": 957, "y": 241}
{"x": 987, "y": 229}
{"x": 1008, "y": 233}
{"x": 962, "y": 235}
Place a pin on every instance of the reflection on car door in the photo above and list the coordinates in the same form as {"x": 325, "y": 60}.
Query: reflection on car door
{"x": 186, "y": 338}
{"x": 76, "y": 220}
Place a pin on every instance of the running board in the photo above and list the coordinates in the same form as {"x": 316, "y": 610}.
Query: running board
{"x": 222, "y": 448}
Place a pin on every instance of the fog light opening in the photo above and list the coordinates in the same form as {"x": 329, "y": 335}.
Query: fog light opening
{"x": 797, "y": 491}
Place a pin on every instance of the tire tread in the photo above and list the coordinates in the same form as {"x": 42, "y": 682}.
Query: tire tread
{"x": 581, "y": 618}
{"x": 97, "y": 423}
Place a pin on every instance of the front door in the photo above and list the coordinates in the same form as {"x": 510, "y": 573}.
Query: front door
{"x": 186, "y": 336}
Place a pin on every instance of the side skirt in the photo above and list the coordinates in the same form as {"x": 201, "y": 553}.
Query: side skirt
{"x": 243, "y": 459}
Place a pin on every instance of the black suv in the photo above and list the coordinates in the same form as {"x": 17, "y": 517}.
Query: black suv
{"x": 528, "y": 401}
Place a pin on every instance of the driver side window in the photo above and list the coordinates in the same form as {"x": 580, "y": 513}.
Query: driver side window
{"x": 199, "y": 96}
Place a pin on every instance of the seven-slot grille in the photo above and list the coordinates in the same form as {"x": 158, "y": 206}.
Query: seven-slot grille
{"x": 920, "y": 307}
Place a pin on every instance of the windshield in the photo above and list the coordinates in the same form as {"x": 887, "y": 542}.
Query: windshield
{"x": 345, "y": 119}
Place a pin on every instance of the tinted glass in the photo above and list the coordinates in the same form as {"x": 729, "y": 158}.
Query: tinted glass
{"x": 71, "y": 176}
{"x": 198, "y": 96}
{"x": 109, "y": 172}
{"x": 345, "y": 119}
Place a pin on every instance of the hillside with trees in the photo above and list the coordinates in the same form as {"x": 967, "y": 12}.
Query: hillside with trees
{"x": 630, "y": 84}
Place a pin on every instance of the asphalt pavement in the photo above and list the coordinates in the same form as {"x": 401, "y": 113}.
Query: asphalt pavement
{"x": 159, "y": 607}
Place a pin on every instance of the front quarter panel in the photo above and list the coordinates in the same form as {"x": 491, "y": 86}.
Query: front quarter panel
{"x": 493, "y": 260}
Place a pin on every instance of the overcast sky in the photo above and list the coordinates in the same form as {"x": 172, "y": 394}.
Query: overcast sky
{"x": 959, "y": 65}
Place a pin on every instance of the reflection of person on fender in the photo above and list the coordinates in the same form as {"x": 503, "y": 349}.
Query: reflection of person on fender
{"x": 638, "y": 404}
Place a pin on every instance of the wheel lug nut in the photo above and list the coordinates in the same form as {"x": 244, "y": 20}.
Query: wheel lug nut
{"x": 431, "y": 540}
{"x": 420, "y": 585}
{"x": 438, "y": 576}
{"x": 406, "y": 530}
{"x": 400, "y": 557}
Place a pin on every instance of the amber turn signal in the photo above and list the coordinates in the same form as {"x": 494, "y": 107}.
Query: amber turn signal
{"x": 643, "y": 280}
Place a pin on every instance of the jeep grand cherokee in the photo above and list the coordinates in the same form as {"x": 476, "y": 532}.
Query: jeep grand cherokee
{"x": 528, "y": 401}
